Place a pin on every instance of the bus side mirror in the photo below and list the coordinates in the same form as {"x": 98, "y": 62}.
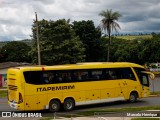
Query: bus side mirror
{"x": 152, "y": 76}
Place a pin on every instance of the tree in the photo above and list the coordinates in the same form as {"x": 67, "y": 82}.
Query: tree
{"x": 150, "y": 50}
{"x": 58, "y": 43}
{"x": 90, "y": 36}
{"x": 1, "y": 56}
{"x": 15, "y": 51}
{"x": 109, "y": 24}
{"x": 127, "y": 51}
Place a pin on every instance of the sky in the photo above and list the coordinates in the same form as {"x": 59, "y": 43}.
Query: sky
{"x": 16, "y": 16}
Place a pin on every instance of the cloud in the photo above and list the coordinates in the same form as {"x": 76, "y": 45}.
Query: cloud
{"x": 16, "y": 16}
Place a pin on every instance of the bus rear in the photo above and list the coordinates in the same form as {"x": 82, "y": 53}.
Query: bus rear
{"x": 15, "y": 88}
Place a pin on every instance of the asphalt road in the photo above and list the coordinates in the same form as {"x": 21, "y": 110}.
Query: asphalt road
{"x": 150, "y": 101}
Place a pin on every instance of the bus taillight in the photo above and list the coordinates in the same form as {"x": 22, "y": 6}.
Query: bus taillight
{"x": 20, "y": 98}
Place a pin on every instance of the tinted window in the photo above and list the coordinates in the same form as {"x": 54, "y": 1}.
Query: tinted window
{"x": 65, "y": 76}
{"x": 128, "y": 74}
{"x": 34, "y": 77}
{"x": 47, "y": 77}
{"x": 118, "y": 73}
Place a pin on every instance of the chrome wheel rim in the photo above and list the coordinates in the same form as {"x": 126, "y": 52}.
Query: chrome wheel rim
{"x": 69, "y": 105}
{"x": 54, "y": 106}
{"x": 132, "y": 98}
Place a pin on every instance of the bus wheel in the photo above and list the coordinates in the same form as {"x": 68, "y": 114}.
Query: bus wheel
{"x": 68, "y": 104}
{"x": 54, "y": 106}
{"x": 133, "y": 97}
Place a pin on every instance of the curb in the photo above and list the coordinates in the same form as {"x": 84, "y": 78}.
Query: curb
{"x": 153, "y": 95}
{"x": 2, "y": 89}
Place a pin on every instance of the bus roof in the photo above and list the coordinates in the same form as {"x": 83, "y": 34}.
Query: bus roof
{"x": 84, "y": 65}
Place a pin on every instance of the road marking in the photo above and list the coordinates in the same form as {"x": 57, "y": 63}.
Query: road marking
{"x": 103, "y": 118}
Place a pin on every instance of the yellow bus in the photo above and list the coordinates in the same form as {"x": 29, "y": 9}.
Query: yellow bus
{"x": 67, "y": 86}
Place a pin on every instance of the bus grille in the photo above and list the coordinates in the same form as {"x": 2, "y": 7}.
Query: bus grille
{"x": 12, "y": 87}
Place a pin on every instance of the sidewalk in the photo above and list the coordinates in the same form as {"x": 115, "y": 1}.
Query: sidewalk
{"x": 77, "y": 118}
{"x": 3, "y": 89}
{"x": 95, "y": 118}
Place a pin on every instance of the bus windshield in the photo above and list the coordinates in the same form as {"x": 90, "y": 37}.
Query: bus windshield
{"x": 143, "y": 77}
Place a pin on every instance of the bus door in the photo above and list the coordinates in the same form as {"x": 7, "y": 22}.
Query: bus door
{"x": 144, "y": 80}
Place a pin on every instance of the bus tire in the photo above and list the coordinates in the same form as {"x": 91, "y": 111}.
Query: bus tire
{"x": 69, "y": 104}
{"x": 133, "y": 97}
{"x": 54, "y": 106}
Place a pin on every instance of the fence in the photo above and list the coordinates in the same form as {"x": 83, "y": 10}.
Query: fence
{"x": 3, "y": 80}
{"x": 154, "y": 69}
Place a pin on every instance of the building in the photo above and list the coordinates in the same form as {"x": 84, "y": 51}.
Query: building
{"x": 155, "y": 67}
{"x": 3, "y": 71}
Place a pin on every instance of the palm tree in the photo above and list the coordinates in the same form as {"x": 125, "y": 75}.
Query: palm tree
{"x": 109, "y": 24}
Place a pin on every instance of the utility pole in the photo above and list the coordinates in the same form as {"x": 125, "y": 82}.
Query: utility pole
{"x": 38, "y": 46}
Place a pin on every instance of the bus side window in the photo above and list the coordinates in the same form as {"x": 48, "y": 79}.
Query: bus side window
{"x": 48, "y": 77}
{"x": 58, "y": 78}
{"x": 76, "y": 76}
{"x": 96, "y": 77}
{"x": 66, "y": 76}
{"x": 69, "y": 77}
{"x": 45, "y": 78}
{"x": 80, "y": 75}
{"x": 110, "y": 74}
{"x": 51, "y": 77}
{"x": 96, "y": 74}
{"x": 128, "y": 74}
{"x": 113, "y": 74}
{"x": 105, "y": 74}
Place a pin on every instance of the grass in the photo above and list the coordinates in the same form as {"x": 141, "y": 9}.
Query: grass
{"x": 3, "y": 93}
{"x": 132, "y": 37}
{"x": 155, "y": 93}
{"x": 118, "y": 110}
{"x": 131, "y": 119}
{"x": 130, "y": 109}
{"x": 145, "y": 119}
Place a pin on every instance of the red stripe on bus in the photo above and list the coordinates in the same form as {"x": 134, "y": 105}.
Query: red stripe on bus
{"x": 42, "y": 68}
